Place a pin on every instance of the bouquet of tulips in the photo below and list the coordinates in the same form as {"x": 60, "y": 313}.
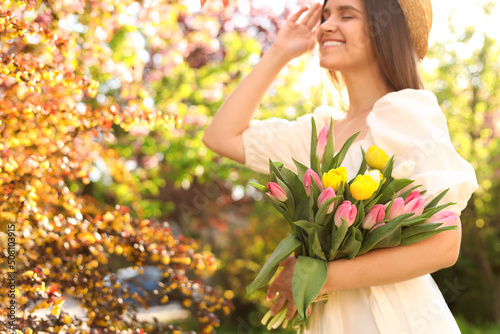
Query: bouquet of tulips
{"x": 332, "y": 218}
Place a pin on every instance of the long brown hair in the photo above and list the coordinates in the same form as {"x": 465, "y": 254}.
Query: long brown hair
{"x": 392, "y": 44}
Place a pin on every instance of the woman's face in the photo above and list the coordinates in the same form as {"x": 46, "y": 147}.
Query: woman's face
{"x": 343, "y": 37}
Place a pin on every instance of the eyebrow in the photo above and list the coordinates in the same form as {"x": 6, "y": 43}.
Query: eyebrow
{"x": 343, "y": 8}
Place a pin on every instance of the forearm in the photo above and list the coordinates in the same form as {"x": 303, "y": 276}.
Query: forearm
{"x": 397, "y": 264}
{"x": 237, "y": 111}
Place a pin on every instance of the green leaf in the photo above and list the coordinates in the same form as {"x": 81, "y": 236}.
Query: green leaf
{"x": 361, "y": 214}
{"x": 424, "y": 235}
{"x": 414, "y": 221}
{"x": 387, "y": 172}
{"x": 295, "y": 185}
{"x": 329, "y": 150}
{"x": 302, "y": 210}
{"x": 274, "y": 170}
{"x": 428, "y": 212}
{"x": 413, "y": 230}
{"x": 389, "y": 207}
{"x": 392, "y": 188}
{"x": 299, "y": 321}
{"x": 316, "y": 249}
{"x": 436, "y": 200}
{"x": 301, "y": 170}
{"x": 279, "y": 165}
{"x": 374, "y": 237}
{"x": 339, "y": 157}
{"x": 347, "y": 193}
{"x": 392, "y": 240}
{"x": 308, "y": 279}
{"x": 259, "y": 187}
{"x": 314, "y": 141}
{"x": 370, "y": 204}
{"x": 302, "y": 236}
{"x": 307, "y": 229}
{"x": 314, "y": 233}
{"x": 362, "y": 167}
{"x": 406, "y": 193}
{"x": 286, "y": 247}
{"x": 290, "y": 200}
{"x": 338, "y": 235}
{"x": 323, "y": 209}
{"x": 315, "y": 192}
{"x": 352, "y": 244}
{"x": 280, "y": 206}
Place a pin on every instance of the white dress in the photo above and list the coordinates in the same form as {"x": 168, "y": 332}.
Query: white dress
{"x": 409, "y": 124}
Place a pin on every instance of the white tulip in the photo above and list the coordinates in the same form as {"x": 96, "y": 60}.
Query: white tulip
{"x": 375, "y": 174}
{"x": 403, "y": 170}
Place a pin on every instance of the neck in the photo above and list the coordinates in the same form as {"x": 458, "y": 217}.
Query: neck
{"x": 364, "y": 90}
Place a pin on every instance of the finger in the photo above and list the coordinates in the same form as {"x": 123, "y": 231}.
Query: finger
{"x": 291, "y": 310}
{"x": 296, "y": 16}
{"x": 312, "y": 18}
{"x": 271, "y": 292}
{"x": 286, "y": 261}
{"x": 317, "y": 16}
{"x": 278, "y": 305}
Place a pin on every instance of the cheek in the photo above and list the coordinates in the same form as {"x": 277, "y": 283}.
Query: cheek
{"x": 360, "y": 37}
{"x": 318, "y": 35}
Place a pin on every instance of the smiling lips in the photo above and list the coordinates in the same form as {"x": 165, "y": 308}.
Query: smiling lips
{"x": 328, "y": 43}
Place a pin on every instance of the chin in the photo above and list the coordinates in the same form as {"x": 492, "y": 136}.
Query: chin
{"x": 330, "y": 65}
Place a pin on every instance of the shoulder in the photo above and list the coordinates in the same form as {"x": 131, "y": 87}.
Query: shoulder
{"x": 410, "y": 114}
{"x": 407, "y": 103}
{"x": 407, "y": 122}
{"x": 410, "y": 125}
{"x": 405, "y": 95}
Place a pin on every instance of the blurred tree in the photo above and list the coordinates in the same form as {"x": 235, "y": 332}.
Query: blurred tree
{"x": 194, "y": 60}
{"x": 55, "y": 239}
{"x": 466, "y": 82}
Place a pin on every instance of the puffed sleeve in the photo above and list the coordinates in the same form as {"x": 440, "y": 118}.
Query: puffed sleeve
{"x": 281, "y": 140}
{"x": 410, "y": 125}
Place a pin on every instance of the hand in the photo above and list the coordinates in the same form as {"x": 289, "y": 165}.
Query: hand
{"x": 297, "y": 37}
{"x": 282, "y": 285}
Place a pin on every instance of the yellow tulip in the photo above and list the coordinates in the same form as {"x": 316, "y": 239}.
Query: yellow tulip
{"x": 363, "y": 187}
{"x": 334, "y": 177}
{"x": 376, "y": 158}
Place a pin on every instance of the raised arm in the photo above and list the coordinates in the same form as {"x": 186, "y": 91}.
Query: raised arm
{"x": 223, "y": 135}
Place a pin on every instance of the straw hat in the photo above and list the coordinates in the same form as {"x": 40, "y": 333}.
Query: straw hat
{"x": 418, "y": 16}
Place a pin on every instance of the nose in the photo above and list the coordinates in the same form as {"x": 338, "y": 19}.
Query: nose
{"x": 328, "y": 25}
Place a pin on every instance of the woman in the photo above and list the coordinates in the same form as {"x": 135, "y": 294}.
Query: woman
{"x": 372, "y": 48}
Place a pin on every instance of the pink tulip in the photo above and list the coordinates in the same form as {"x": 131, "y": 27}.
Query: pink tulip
{"x": 307, "y": 181}
{"x": 397, "y": 208}
{"x": 322, "y": 140}
{"x": 377, "y": 226}
{"x": 276, "y": 192}
{"x": 416, "y": 206}
{"x": 412, "y": 195}
{"x": 347, "y": 211}
{"x": 374, "y": 216}
{"x": 325, "y": 196}
{"x": 446, "y": 217}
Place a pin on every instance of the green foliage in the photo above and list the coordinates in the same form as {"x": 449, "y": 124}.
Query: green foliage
{"x": 468, "y": 90}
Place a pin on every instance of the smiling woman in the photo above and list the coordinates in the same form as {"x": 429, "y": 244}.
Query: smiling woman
{"x": 372, "y": 50}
